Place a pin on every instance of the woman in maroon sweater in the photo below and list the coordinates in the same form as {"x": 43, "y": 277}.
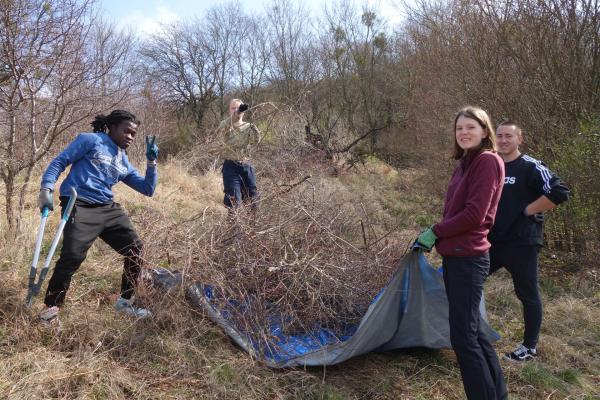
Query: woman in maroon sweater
{"x": 461, "y": 238}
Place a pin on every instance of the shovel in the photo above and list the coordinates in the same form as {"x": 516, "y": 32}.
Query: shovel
{"x": 34, "y": 288}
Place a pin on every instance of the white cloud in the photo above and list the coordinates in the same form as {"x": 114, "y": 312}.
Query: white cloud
{"x": 145, "y": 22}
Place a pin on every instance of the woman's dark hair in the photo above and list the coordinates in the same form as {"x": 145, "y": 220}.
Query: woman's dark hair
{"x": 483, "y": 119}
{"x": 102, "y": 122}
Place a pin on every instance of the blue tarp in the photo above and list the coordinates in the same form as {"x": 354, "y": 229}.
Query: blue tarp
{"x": 411, "y": 311}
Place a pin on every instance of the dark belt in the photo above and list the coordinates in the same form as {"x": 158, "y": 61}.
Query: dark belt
{"x": 82, "y": 203}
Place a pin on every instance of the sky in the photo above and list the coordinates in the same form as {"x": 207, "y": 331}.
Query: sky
{"x": 144, "y": 16}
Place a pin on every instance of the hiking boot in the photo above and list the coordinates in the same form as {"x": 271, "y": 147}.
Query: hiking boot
{"x": 49, "y": 316}
{"x": 127, "y": 307}
{"x": 521, "y": 353}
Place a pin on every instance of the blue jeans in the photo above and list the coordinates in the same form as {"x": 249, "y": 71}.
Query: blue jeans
{"x": 239, "y": 183}
{"x": 479, "y": 366}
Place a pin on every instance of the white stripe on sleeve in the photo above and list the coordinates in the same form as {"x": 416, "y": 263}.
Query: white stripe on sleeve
{"x": 544, "y": 172}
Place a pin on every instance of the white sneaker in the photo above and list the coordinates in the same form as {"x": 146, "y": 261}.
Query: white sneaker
{"x": 127, "y": 307}
{"x": 521, "y": 353}
{"x": 49, "y": 316}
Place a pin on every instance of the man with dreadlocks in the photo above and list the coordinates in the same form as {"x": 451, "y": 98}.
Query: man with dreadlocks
{"x": 98, "y": 161}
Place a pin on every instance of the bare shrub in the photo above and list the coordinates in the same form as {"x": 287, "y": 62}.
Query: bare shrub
{"x": 301, "y": 258}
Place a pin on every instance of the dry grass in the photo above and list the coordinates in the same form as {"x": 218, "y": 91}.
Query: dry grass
{"x": 180, "y": 354}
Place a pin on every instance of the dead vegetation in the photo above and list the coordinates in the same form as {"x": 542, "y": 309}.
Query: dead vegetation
{"x": 312, "y": 261}
{"x": 181, "y": 354}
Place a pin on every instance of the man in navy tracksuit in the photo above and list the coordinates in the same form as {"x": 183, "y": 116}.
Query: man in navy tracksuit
{"x": 98, "y": 161}
{"x": 530, "y": 189}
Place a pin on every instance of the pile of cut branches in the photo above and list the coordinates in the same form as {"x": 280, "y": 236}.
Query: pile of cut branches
{"x": 303, "y": 259}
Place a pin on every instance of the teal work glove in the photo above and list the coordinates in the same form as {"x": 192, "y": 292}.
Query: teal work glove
{"x": 45, "y": 200}
{"x": 151, "y": 148}
{"x": 427, "y": 238}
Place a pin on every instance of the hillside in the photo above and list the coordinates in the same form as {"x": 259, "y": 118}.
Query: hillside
{"x": 180, "y": 354}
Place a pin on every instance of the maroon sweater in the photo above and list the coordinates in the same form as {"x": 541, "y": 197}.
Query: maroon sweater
{"x": 470, "y": 207}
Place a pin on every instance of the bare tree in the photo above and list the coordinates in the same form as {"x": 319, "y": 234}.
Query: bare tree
{"x": 54, "y": 80}
{"x": 178, "y": 59}
{"x": 353, "y": 99}
{"x": 223, "y": 40}
{"x": 291, "y": 63}
{"x": 252, "y": 58}
{"x": 113, "y": 63}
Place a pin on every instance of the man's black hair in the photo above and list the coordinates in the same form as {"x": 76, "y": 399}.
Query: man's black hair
{"x": 102, "y": 122}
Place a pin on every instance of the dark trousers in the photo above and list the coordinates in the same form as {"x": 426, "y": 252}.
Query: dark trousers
{"x": 87, "y": 222}
{"x": 239, "y": 183}
{"x": 522, "y": 263}
{"x": 479, "y": 366}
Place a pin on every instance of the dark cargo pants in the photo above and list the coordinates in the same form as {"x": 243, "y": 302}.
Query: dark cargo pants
{"x": 88, "y": 222}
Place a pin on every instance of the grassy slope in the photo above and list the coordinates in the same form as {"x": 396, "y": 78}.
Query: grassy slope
{"x": 181, "y": 354}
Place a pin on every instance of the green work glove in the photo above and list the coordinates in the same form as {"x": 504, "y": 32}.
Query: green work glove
{"x": 427, "y": 238}
{"x": 151, "y": 148}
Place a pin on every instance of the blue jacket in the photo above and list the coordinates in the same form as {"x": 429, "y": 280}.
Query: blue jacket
{"x": 97, "y": 165}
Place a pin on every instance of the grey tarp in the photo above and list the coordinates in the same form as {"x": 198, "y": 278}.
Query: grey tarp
{"x": 411, "y": 311}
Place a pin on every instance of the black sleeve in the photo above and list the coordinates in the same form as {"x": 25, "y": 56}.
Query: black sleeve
{"x": 546, "y": 183}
